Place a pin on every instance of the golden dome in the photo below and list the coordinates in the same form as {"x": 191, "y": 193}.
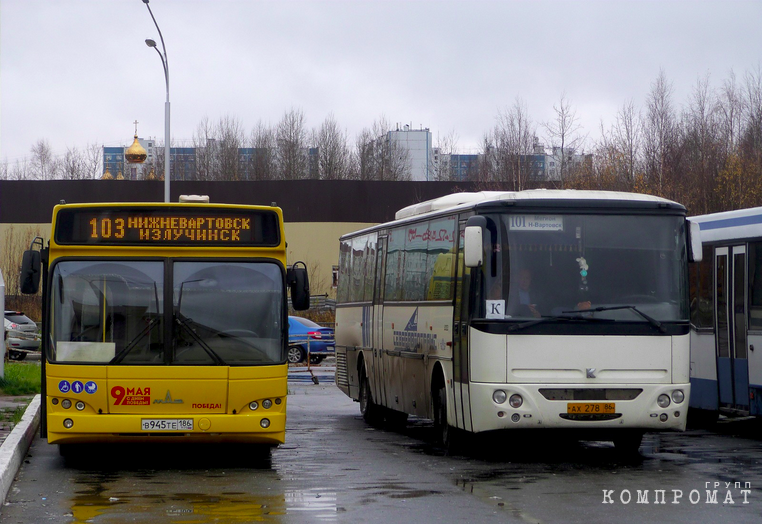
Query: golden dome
{"x": 136, "y": 154}
{"x": 119, "y": 176}
{"x": 151, "y": 175}
{"x": 107, "y": 175}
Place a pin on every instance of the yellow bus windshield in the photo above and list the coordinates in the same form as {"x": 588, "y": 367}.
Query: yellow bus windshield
{"x": 115, "y": 311}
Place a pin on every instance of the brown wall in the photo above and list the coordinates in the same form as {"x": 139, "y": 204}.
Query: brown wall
{"x": 23, "y": 201}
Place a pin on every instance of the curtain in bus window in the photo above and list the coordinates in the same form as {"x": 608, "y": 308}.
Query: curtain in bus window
{"x": 395, "y": 260}
{"x": 416, "y": 245}
{"x": 441, "y": 259}
{"x": 755, "y": 285}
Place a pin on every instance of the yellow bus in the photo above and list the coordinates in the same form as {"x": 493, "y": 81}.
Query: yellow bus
{"x": 164, "y": 322}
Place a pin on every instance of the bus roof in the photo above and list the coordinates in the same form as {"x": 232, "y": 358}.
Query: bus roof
{"x": 730, "y": 225}
{"x": 465, "y": 199}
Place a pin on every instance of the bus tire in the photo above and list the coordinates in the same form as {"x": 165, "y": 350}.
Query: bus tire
{"x": 371, "y": 412}
{"x": 295, "y": 354}
{"x": 445, "y": 433}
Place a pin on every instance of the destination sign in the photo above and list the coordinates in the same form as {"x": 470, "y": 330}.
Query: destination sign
{"x": 178, "y": 226}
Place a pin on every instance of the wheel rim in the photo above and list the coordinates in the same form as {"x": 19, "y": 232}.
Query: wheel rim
{"x": 364, "y": 393}
{"x": 294, "y": 354}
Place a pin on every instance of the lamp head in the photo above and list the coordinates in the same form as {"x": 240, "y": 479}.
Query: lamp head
{"x": 145, "y": 1}
{"x": 150, "y": 42}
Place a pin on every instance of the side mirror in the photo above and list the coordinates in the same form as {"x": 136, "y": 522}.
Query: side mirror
{"x": 299, "y": 285}
{"x": 695, "y": 250}
{"x": 473, "y": 252}
{"x": 473, "y": 246}
{"x": 30, "y": 272}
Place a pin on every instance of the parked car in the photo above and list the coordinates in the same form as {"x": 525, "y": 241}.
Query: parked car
{"x": 304, "y": 334}
{"x": 21, "y": 335}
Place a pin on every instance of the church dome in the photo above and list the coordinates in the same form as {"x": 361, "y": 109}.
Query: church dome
{"x": 107, "y": 175}
{"x": 136, "y": 154}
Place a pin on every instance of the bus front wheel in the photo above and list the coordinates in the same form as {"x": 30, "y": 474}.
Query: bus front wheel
{"x": 444, "y": 432}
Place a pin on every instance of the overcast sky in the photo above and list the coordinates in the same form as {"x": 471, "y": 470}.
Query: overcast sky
{"x": 77, "y": 72}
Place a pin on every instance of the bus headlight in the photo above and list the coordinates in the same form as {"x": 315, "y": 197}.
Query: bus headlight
{"x": 516, "y": 401}
{"x": 66, "y": 403}
{"x": 68, "y": 423}
{"x": 253, "y": 405}
{"x": 678, "y": 396}
{"x": 265, "y": 423}
{"x": 267, "y": 403}
{"x": 663, "y": 401}
{"x": 499, "y": 396}
{"x": 79, "y": 405}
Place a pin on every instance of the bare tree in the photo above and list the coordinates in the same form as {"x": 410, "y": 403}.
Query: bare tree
{"x": 263, "y": 161}
{"x": 730, "y": 108}
{"x": 446, "y": 147}
{"x": 72, "y": 166}
{"x": 659, "y": 130}
{"x": 701, "y": 156}
{"x": 379, "y": 155}
{"x": 564, "y": 135}
{"x": 230, "y": 138}
{"x": 93, "y": 161}
{"x": 205, "y": 144}
{"x": 627, "y": 139}
{"x": 43, "y": 161}
{"x": 363, "y": 156}
{"x": 291, "y": 140}
{"x": 333, "y": 151}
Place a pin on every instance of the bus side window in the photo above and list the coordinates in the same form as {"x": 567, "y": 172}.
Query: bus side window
{"x": 755, "y": 285}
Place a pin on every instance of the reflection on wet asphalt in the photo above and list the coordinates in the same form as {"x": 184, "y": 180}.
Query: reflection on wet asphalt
{"x": 335, "y": 468}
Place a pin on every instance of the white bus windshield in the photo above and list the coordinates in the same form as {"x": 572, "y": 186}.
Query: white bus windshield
{"x": 112, "y": 312}
{"x": 545, "y": 265}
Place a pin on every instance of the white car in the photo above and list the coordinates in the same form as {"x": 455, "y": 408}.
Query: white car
{"x": 21, "y": 335}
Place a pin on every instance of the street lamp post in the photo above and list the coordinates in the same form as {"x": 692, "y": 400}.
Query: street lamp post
{"x": 165, "y": 64}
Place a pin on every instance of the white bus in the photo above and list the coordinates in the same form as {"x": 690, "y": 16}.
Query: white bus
{"x": 431, "y": 318}
{"x": 726, "y": 314}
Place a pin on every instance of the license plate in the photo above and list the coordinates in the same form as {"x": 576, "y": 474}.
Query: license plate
{"x": 166, "y": 424}
{"x": 590, "y": 408}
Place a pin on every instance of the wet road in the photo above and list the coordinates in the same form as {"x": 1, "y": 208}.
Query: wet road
{"x": 334, "y": 468}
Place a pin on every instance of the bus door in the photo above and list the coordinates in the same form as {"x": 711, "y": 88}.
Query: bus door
{"x": 730, "y": 327}
{"x": 460, "y": 324}
{"x": 377, "y": 333}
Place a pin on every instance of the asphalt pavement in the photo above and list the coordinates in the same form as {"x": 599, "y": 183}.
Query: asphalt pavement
{"x": 16, "y": 443}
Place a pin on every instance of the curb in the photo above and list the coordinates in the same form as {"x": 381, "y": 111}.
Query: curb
{"x": 15, "y": 447}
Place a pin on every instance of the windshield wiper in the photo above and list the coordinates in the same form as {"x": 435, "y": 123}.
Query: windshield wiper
{"x": 134, "y": 342}
{"x": 655, "y": 323}
{"x": 523, "y": 325}
{"x": 209, "y": 351}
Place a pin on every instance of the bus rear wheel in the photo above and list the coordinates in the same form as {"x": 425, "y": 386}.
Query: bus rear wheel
{"x": 371, "y": 412}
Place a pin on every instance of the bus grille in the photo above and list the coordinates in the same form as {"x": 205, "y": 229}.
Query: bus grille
{"x": 342, "y": 378}
{"x": 610, "y": 394}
